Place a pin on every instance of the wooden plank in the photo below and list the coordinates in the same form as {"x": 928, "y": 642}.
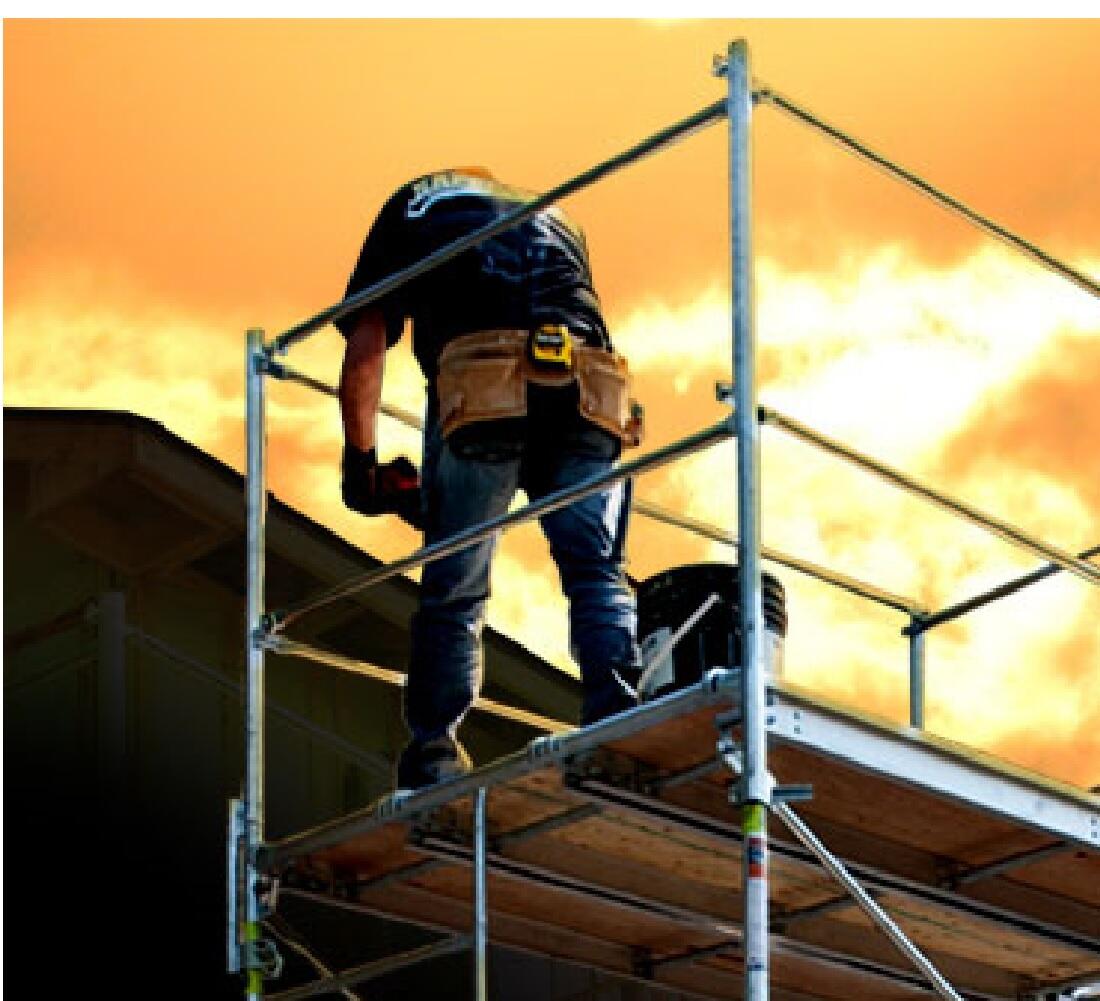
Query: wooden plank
{"x": 676, "y": 743}
{"x": 894, "y": 811}
{"x": 939, "y": 929}
{"x": 1068, "y": 906}
{"x": 575, "y": 911}
{"x": 632, "y": 882}
{"x": 693, "y": 857}
{"x": 635, "y": 853}
{"x": 529, "y": 917}
{"x": 723, "y": 904}
{"x": 1075, "y": 874}
{"x": 828, "y": 981}
{"x": 523, "y": 928}
{"x": 858, "y": 940}
{"x": 368, "y": 856}
{"x": 520, "y": 802}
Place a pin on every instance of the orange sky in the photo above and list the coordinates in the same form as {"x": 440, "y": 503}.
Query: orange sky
{"x": 167, "y": 184}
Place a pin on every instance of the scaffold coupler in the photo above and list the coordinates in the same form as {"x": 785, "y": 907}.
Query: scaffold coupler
{"x": 247, "y": 951}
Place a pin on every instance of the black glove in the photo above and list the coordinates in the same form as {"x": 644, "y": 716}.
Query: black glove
{"x": 390, "y": 488}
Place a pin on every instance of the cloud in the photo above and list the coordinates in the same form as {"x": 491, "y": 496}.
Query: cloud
{"x": 1070, "y": 746}
{"x": 940, "y": 371}
{"x": 147, "y": 226}
{"x": 897, "y": 359}
{"x": 1046, "y": 422}
{"x": 248, "y": 186}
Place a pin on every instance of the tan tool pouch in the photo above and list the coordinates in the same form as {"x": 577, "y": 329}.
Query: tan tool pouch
{"x": 481, "y": 378}
{"x": 604, "y": 383}
{"x": 484, "y": 376}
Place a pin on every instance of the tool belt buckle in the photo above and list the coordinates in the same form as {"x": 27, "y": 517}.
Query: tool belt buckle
{"x": 550, "y": 347}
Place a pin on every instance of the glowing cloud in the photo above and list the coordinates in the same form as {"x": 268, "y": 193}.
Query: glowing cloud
{"x": 895, "y": 359}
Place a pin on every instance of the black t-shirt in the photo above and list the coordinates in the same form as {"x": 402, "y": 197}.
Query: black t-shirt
{"x": 534, "y": 273}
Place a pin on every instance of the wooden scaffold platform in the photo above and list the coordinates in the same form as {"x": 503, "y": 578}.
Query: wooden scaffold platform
{"x": 617, "y": 847}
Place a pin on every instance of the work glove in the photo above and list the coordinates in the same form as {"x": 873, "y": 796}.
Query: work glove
{"x": 388, "y": 488}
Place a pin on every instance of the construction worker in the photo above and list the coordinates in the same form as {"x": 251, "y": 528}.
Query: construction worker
{"x": 524, "y": 391}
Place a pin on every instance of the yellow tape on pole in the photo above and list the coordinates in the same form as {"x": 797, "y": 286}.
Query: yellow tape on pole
{"x": 754, "y": 823}
{"x": 254, "y": 979}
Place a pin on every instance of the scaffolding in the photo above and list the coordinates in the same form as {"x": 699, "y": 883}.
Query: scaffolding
{"x": 635, "y": 763}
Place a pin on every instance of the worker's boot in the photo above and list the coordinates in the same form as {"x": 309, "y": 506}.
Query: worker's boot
{"x": 425, "y": 764}
{"x": 612, "y": 697}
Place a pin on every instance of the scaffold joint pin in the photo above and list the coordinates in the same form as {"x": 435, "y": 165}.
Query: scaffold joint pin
{"x": 730, "y": 755}
{"x": 269, "y": 366}
{"x": 799, "y": 792}
{"x": 261, "y": 638}
{"x": 266, "y": 889}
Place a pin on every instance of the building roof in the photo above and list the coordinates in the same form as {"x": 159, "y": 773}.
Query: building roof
{"x": 125, "y": 490}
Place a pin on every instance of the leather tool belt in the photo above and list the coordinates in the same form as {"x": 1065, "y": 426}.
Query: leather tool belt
{"x": 484, "y": 377}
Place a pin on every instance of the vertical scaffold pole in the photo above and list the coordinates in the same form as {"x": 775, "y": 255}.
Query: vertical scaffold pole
{"x": 481, "y": 897}
{"x": 755, "y": 788}
{"x": 916, "y": 676}
{"x": 256, "y": 517}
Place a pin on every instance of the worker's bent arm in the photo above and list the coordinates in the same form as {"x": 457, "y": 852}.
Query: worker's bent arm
{"x": 361, "y": 379}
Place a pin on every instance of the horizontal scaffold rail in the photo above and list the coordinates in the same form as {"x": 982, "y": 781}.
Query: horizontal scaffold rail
{"x": 339, "y": 982}
{"x": 1009, "y": 533}
{"x": 765, "y": 95}
{"x": 552, "y": 502}
{"x": 851, "y": 584}
{"x": 659, "y": 140}
{"x": 961, "y": 608}
{"x": 292, "y": 648}
{"x": 860, "y": 588}
{"x": 923, "y": 618}
{"x": 717, "y": 685}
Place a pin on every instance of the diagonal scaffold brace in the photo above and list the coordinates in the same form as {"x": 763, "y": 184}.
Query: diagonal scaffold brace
{"x": 731, "y": 755}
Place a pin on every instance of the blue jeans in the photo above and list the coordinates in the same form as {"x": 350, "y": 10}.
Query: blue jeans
{"x": 586, "y": 542}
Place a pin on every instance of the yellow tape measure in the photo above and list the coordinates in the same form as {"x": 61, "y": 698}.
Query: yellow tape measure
{"x": 551, "y": 345}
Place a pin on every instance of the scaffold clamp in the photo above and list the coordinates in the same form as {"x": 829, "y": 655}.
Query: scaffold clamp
{"x": 267, "y": 894}
{"x": 798, "y": 792}
{"x": 730, "y": 754}
{"x": 235, "y": 852}
{"x": 263, "y": 955}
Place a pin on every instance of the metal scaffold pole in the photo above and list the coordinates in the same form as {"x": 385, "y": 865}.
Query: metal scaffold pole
{"x": 481, "y": 898}
{"x": 755, "y": 786}
{"x": 916, "y": 677}
{"x": 256, "y": 516}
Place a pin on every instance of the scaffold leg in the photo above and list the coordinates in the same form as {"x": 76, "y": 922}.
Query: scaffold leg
{"x": 755, "y": 787}
{"x": 799, "y": 828}
{"x": 235, "y": 886}
{"x": 481, "y": 901}
{"x": 754, "y": 825}
{"x": 916, "y": 676}
{"x": 259, "y": 957}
